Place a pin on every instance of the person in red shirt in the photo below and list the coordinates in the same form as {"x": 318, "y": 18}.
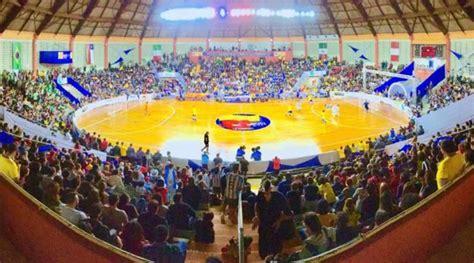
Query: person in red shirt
{"x": 103, "y": 145}
{"x": 161, "y": 190}
{"x": 276, "y": 166}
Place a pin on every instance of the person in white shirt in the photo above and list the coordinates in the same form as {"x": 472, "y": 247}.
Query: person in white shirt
{"x": 69, "y": 211}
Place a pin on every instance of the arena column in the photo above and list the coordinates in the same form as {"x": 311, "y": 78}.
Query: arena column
{"x": 174, "y": 47}
{"x": 376, "y": 51}
{"x": 305, "y": 48}
{"x": 106, "y": 52}
{"x": 71, "y": 48}
{"x": 412, "y": 48}
{"x": 34, "y": 44}
{"x": 140, "y": 54}
{"x": 208, "y": 44}
{"x": 341, "y": 56}
{"x": 447, "y": 53}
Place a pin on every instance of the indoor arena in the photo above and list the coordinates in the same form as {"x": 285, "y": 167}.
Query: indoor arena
{"x": 236, "y": 131}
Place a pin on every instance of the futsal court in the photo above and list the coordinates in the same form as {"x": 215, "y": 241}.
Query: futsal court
{"x": 168, "y": 124}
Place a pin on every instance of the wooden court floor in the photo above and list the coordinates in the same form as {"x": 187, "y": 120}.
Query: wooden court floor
{"x": 167, "y": 125}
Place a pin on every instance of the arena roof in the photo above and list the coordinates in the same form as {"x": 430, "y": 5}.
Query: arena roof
{"x": 141, "y": 18}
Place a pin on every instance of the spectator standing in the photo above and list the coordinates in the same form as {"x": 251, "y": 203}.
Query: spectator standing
{"x": 234, "y": 184}
{"x": 451, "y": 166}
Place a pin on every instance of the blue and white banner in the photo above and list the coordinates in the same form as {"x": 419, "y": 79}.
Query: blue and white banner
{"x": 55, "y": 57}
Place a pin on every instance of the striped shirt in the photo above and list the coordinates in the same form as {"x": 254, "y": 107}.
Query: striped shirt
{"x": 233, "y": 186}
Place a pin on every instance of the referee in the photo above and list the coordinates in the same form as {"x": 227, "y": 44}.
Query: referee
{"x": 206, "y": 142}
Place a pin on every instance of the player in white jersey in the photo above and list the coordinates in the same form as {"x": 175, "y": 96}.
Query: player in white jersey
{"x": 335, "y": 110}
{"x": 299, "y": 106}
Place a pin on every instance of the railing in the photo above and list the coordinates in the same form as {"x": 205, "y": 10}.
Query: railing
{"x": 240, "y": 230}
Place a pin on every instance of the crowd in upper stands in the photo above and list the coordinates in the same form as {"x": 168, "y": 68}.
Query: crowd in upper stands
{"x": 138, "y": 200}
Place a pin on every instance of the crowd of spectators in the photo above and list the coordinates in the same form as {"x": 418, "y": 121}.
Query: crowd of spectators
{"x": 139, "y": 204}
{"x": 454, "y": 90}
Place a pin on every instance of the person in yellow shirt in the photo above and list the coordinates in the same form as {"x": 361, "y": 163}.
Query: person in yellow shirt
{"x": 451, "y": 166}
{"x": 123, "y": 150}
{"x": 352, "y": 213}
{"x": 8, "y": 166}
{"x": 326, "y": 191}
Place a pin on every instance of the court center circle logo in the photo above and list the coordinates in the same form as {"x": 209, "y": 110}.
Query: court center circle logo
{"x": 243, "y": 122}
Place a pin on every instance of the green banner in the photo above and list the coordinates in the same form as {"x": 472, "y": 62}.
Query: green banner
{"x": 17, "y": 63}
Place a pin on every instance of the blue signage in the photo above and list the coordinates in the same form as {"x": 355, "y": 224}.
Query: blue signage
{"x": 55, "y": 57}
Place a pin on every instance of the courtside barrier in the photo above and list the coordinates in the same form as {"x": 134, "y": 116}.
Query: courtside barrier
{"x": 417, "y": 233}
{"x": 32, "y": 129}
{"x": 444, "y": 119}
{"x": 372, "y": 99}
{"x": 2, "y": 110}
{"x": 44, "y": 236}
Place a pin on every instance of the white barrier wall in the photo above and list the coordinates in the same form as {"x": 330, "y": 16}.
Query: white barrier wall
{"x": 373, "y": 99}
{"x": 442, "y": 120}
{"x": 447, "y": 117}
{"x": 2, "y": 109}
{"x": 32, "y": 129}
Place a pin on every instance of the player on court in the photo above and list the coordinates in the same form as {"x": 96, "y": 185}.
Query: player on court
{"x": 323, "y": 116}
{"x": 194, "y": 116}
{"x": 206, "y": 141}
{"x": 146, "y": 108}
{"x": 299, "y": 106}
{"x": 335, "y": 110}
{"x": 366, "y": 106}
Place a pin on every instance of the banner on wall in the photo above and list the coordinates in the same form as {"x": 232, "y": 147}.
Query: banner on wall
{"x": 323, "y": 51}
{"x": 156, "y": 52}
{"x": 394, "y": 51}
{"x": 90, "y": 54}
{"x": 55, "y": 57}
{"x": 16, "y": 57}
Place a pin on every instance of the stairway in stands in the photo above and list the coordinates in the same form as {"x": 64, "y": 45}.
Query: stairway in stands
{"x": 198, "y": 252}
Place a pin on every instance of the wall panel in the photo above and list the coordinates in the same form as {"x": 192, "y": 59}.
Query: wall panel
{"x": 466, "y": 48}
{"x": 366, "y": 47}
{"x": 116, "y": 50}
{"x": 384, "y": 52}
{"x": 298, "y": 49}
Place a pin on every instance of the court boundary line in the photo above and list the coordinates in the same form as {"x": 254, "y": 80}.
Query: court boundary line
{"x": 121, "y": 111}
{"x": 165, "y": 120}
{"x": 380, "y": 115}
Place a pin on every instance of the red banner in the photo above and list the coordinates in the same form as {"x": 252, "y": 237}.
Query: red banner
{"x": 428, "y": 52}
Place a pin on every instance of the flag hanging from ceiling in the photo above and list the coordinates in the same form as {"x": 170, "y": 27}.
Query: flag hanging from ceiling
{"x": 16, "y": 60}
{"x": 90, "y": 54}
{"x": 428, "y": 51}
{"x": 394, "y": 51}
{"x": 323, "y": 51}
{"x": 156, "y": 52}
